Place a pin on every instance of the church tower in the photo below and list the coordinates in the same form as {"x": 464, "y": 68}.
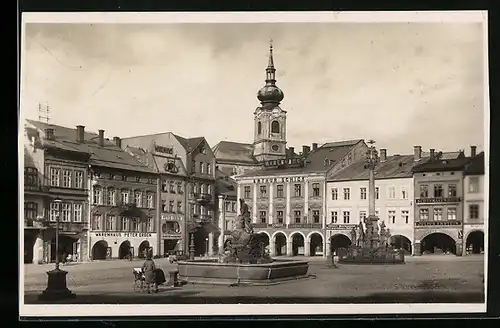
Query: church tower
{"x": 270, "y": 119}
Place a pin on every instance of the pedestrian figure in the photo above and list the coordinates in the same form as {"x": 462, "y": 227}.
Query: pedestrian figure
{"x": 149, "y": 269}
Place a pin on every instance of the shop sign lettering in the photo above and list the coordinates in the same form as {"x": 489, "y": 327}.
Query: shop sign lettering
{"x": 123, "y": 234}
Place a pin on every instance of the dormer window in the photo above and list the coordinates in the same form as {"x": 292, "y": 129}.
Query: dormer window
{"x": 327, "y": 162}
{"x": 203, "y": 150}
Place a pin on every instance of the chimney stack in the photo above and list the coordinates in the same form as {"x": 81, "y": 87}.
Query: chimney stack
{"x": 101, "y": 138}
{"x": 315, "y": 146}
{"x": 118, "y": 142}
{"x": 431, "y": 154}
{"x": 383, "y": 154}
{"x": 49, "y": 134}
{"x": 417, "y": 153}
{"x": 80, "y": 133}
{"x": 291, "y": 151}
{"x": 305, "y": 150}
{"x": 473, "y": 151}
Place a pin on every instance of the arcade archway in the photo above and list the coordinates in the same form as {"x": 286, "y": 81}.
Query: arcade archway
{"x": 297, "y": 244}
{"x": 99, "y": 250}
{"x": 475, "y": 242}
{"x": 316, "y": 244}
{"x": 143, "y": 248}
{"x": 339, "y": 241}
{"x": 401, "y": 242}
{"x": 124, "y": 250}
{"x": 280, "y": 243}
{"x": 67, "y": 246}
{"x": 438, "y": 243}
{"x": 263, "y": 238}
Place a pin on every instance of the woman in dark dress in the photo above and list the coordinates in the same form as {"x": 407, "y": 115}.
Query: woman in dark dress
{"x": 149, "y": 269}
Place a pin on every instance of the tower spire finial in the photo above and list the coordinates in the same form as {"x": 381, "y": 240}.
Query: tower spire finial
{"x": 271, "y": 61}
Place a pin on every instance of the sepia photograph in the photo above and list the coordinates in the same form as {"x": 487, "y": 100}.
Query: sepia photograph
{"x": 253, "y": 163}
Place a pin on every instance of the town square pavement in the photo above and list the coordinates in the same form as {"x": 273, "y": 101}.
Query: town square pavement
{"x": 433, "y": 278}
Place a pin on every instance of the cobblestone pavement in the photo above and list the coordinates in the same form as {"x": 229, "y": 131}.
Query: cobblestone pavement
{"x": 424, "y": 279}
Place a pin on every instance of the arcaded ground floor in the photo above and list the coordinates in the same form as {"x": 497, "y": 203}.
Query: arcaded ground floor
{"x": 40, "y": 246}
{"x": 433, "y": 279}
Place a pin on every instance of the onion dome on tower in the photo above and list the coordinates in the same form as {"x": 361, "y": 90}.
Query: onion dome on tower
{"x": 270, "y": 95}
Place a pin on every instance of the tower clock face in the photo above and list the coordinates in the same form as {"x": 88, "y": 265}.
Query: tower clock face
{"x": 275, "y": 148}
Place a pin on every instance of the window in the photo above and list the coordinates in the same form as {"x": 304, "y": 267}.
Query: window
{"x": 392, "y": 193}
{"x": 405, "y": 216}
{"x": 315, "y": 189}
{"x": 438, "y": 214}
{"x": 423, "y": 214}
{"x": 65, "y": 212}
{"x": 247, "y": 192}
{"x": 30, "y": 210}
{"x": 30, "y": 176}
{"x": 110, "y": 222}
{"x": 362, "y": 192}
{"x": 404, "y": 193}
{"x": 53, "y": 211}
{"x": 362, "y": 216}
{"x": 296, "y": 215}
{"x": 66, "y": 178}
{"x": 138, "y": 198}
{"x": 262, "y": 216}
{"x": 202, "y": 167}
{"x": 392, "y": 216}
{"x": 233, "y": 206}
{"x": 346, "y": 216}
{"x": 335, "y": 194}
{"x": 259, "y": 127}
{"x": 151, "y": 200}
{"x": 179, "y": 207}
{"x": 96, "y": 222}
{"x": 279, "y": 191}
{"x": 452, "y": 213}
{"x": 209, "y": 168}
{"x": 135, "y": 225}
{"x": 124, "y": 197}
{"x": 275, "y": 127}
{"x": 263, "y": 191}
{"x": 347, "y": 194}
{"x": 97, "y": 195}
{"x": 54, "y": 176}
{"x": 279, "y": 215}
{"x": 298, "y": 190}
{"x": 150, "y": 225}
{"x": 195, "y": 188}
{"x": 424, "y": 191}
{"x": 171, "y": 206}
{"x": 474, "y": 211}
{"x": 334, "y": 216}
{"x": 473, "y": 184}
{"x": 377, "y": 193}
{"x": 452, "y": 190}
{"x": 124, "y": 223}
{"x": 77, "y": 212}
{"x": 111, "y": 197}
{"x": 179, "y": 188}
{"x": 438, "y": 190}
{"x": 209, "y": 189}
{"x": 171, "y": 187}
{"x": 315, "y": 216}
{"x": 193, "y": 167}
{"x": 164, "y": 185}
{"x": 193, "y": 209}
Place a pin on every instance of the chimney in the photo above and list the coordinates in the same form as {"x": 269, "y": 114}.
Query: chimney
{"x": 101, "y": 138}
{"x": 417, "y": 153}
{"x": 383, "y": 154}
{"x": 305, "y": 150}
{"x": 473, "y": 151}
{"x": 80, "y": 133}
{"x": 49, "y": 134}
{"x": 431, "y": 154}
{"x": 118, "y": 142}
{"x": 291, "y": 150}
{"x": 315, "y": 146}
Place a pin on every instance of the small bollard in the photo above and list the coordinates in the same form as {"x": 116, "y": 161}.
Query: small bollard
{"x": 173, "y": 275}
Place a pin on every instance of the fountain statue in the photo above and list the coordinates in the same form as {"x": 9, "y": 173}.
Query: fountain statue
{"x": 243, "y": 245}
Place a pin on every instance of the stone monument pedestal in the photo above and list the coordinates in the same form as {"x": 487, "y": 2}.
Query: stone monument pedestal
{"x": 56, "y": 286}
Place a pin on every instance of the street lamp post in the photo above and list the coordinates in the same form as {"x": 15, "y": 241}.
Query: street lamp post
{"x": 56, "y": 284}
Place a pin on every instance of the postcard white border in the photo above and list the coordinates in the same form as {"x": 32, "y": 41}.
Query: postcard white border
{"x": 74, "y": 310}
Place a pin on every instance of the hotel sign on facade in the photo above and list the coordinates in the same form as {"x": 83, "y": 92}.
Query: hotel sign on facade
{"x": 289, "y": 162}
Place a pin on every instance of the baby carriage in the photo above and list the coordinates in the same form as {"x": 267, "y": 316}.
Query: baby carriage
{"x": 139, "y": 279}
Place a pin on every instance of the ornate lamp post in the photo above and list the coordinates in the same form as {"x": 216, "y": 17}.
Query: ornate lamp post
{"x": 56, "y": 285}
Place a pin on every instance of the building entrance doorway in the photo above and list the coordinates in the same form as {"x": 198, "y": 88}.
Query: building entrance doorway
{"x": 125, "y": 250}
{"x": 438, "y": 243}
{"x": 170, "y": 246}
{"x": 339, "y": 241}
{"x": 475, "y": 242}
{"x": 316, "y": 245}
{"x": 401, "y": 242}
{"x": 280, "y": 244}
{"x": 68, "y": 245}
{"x": 99, "y": 250}
{"x": 297, "y": 244}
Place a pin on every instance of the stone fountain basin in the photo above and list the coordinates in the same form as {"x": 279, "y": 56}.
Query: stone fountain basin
{"x": 213, "y": 272}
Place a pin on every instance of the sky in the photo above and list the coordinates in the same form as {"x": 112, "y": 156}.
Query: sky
{"x": 401, "y": 84}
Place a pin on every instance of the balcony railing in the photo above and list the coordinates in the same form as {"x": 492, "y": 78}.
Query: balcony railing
{"x": 203, "y": 197}
{"x": 431, "y": 200}
{"x": 35, "y": 188}
{"x": 438, "y": 223}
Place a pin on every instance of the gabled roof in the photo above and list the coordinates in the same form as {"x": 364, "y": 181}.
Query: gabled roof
{"x": 234, "y": 152}
{"x": 107, "y": 156}
{"x": 476, "y": 165}
{"x": 189, "y": 143}
{"x": 320, "y": 160}
{"x": 443, "y": 163}
{"x": 397, "y": 166}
